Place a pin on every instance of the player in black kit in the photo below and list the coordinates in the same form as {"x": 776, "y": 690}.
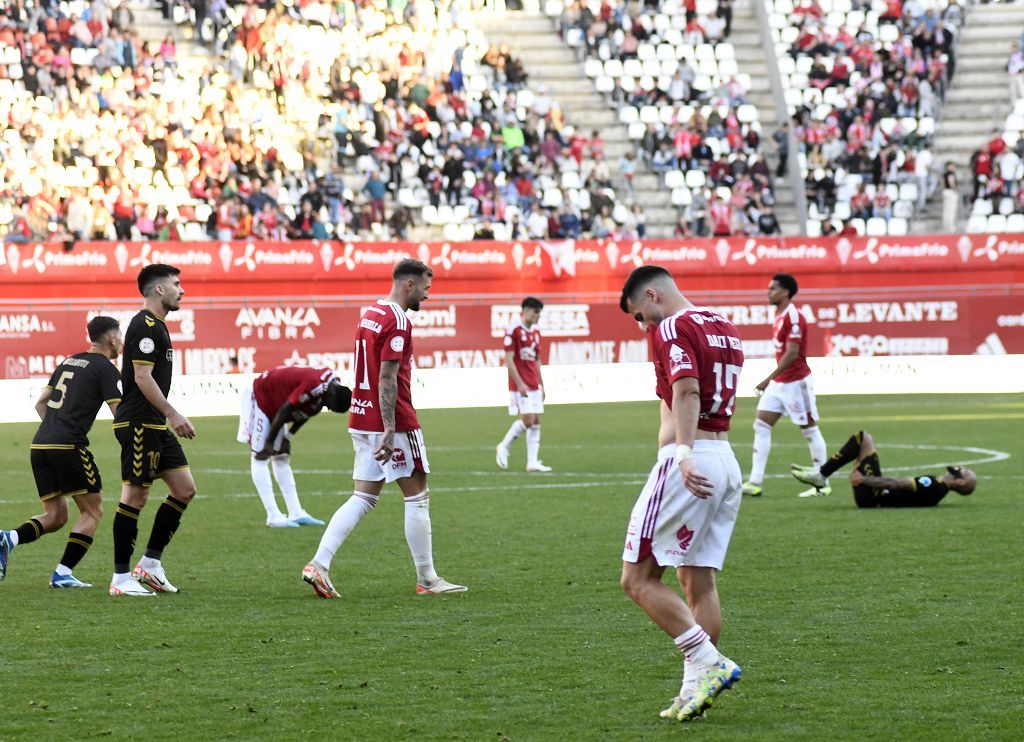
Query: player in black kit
{"x": 872, "y": 490}
{"x": 145, "y": 426}
{"x": 62, "y": 464}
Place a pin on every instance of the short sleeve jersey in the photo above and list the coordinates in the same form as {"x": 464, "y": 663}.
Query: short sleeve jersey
{"x": 701, "y": 344}
{"x": 79, "y": 387}
{"x": 147, "y": 341}
{"x": 525, "y": 347}
{"x": 300, "y": 386}
{"x": 791, "y": 327}
{"x": 384, "y": 333}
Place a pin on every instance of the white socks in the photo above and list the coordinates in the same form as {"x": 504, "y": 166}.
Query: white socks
{"x": 282, "y": 464}
{"x": 762, "y": 447}
{"x": 343, "y": 522}
{"x": 417, "y": 535}
{"x": 265, "y": 487}
{"x": 697, "y": 648}
{"x": 513, "y": 433}
{"x": 13, "y": 536}
{"x": 816, "y": 442}
{"x": 532, "y": 444}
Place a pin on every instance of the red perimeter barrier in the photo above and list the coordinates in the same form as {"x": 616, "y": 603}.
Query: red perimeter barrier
{"x": 273, "y": 303}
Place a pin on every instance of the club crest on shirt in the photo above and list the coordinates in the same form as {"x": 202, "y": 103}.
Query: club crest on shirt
{"x": 678, "y": 360}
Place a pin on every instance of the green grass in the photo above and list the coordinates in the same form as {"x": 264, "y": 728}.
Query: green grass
{"x": 848, "y": 624}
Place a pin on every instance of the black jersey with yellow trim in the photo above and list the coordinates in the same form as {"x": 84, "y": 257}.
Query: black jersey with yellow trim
{"x": 927, "y": 491}
{"x": 78, "y": 388}
{"x": 147, "y": 342}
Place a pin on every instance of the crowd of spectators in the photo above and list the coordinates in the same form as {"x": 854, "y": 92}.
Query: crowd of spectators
{"x": 865, "y": 79}
{"x": 669, "y": 70}
{"x": 311, "y": 120}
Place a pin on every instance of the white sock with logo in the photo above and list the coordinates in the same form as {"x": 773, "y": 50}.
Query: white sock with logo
{"x": 286, "y": 481}
{"x": 417, "y": 535}
{"x": 264, "y": 487}
{"x": 533, "y": 445}
{"x": 816, "y": 442}
{"x": 343, "y": 522}
{"x": 513, "y": 433}
{"x": 696, "y": 646}
{"x": 762, "y": 447}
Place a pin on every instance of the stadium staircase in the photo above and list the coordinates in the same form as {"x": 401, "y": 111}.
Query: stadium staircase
{"x": 978, "y": 100}
{"x": 534, "y": 38}
{"x": 151, "y": 26}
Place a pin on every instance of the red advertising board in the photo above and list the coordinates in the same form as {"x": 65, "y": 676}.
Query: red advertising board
{"x": 509, "y": 268}
{"x": 467, "y": 332}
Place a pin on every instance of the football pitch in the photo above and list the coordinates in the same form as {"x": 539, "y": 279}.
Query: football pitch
{"x": 896, "y": 624}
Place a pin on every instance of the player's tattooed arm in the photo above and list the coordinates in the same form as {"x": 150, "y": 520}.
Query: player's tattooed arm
{"x": 885, "y": 483}
{"x": 388, "y": 384}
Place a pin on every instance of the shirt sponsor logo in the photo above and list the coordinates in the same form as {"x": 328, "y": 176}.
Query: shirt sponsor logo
{"x": 277, "y": 323}
{"x": 360, "y": 406}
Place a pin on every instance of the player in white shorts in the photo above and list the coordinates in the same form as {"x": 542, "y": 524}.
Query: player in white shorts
{"x": 788, "y": 390}
{"x": 525, "y": 386}
{"x": 686, "y": 512}
{"x": 386, "y": 434}
{"x": 280, "y": 402}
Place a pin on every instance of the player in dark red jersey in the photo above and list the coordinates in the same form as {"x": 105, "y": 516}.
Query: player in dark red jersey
{"x": 525, "y": 385}
{"x": 686, "y": 513}
{"x": 872, "y": 490}
{"x": 788, "y": 390}
{"x": 386, "y": 433}
{"x": 280, "y": 402}
{"x": 62, "y": 464}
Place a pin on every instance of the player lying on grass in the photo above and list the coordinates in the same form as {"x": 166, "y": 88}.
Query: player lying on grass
{"x": 280, "y": 402}
{"x": 872, "y": 490}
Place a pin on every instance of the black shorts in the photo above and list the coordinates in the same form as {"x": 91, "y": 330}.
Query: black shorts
{"x": 67, "y": 470}
{"x": 864, "y": 496}
{"x": 148, "y": 451}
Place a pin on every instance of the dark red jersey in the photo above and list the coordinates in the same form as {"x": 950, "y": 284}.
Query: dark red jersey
{"x": 384, "y": 333}
{"x": 704, "y": 345}
{"x": 791, "y": 327}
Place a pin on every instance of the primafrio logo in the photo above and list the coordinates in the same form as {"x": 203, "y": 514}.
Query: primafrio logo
{"x": 276, "y": 323}
{"x": 520, "y": 257}
{"x": 996, "y": 246}
{"x": 557, "y": 320}
{"x": 352, "y": 257}
{"x": 252, "y": 257}
{"x": 450, "y": 256}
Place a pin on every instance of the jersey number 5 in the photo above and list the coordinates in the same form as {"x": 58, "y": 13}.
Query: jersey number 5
{"x": 725, "y": 387}
{"x": 61, "y": 387}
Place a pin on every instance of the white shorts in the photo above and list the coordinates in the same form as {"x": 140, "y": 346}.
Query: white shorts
{"x": 531, "y": 404}
{"x": 792, "y": 398}
{"x": 676, "y": 528}
{"x": 253, "y": 424}
{"x": 410, "y": 454}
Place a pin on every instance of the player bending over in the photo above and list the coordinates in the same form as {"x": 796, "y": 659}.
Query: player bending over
{"x": 62, "y": 464}
{"x": 788, "y": 390}
{"x": 386, "y": 434}
{"x": 525, "y": 386}
{"x": 686, "y": 512}
{"x": 872, "y": 490}
{"x": 280, "y": 402}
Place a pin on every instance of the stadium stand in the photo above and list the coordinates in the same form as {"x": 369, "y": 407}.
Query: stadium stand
{"x": 864, "y": 82}
{"x": 418, "y": 116}
{"x": 669, "y": 71}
